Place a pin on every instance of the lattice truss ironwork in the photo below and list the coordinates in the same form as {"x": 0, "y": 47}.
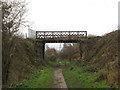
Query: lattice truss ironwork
{"x": 60, "y": 35}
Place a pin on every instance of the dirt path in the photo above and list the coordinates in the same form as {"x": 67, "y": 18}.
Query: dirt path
{"x": 59, "y": 79}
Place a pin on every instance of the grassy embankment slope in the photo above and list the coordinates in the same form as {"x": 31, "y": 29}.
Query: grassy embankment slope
{"x": 103, "y": 58}
{"x": 99, "y": 65}
{"x": 23, "y": 60}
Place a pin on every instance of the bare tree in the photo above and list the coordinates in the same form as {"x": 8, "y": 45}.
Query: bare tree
{"x": 67, "y": 51}
{"x": 51, "y": 54}
{"x": 13, "y": 17}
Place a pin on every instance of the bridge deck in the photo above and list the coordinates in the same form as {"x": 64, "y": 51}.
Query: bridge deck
{"x": 58, "y": 41}
{"x": 60, "y": 36}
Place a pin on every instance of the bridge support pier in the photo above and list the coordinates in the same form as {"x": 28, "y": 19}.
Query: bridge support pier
{"x": 42, "y": 50}
{"x": 80, "y": 48}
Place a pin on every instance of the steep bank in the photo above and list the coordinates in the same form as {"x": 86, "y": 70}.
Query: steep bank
{"x": 23, "y": 60}
{"x": 101, "y": 55}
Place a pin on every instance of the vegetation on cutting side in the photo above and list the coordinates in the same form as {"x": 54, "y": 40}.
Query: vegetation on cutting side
{"x": 23, "y": 61}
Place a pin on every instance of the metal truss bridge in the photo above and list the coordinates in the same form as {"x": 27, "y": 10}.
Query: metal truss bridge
{"x": 43, "y": 37}
{"x": 60, "y": 36}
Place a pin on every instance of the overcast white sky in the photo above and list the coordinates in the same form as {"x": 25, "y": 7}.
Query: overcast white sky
{"x": 95, "y": 16}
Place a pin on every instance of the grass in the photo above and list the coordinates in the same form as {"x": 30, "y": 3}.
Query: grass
{"x": 75, "y": 77}
{"x": 88, "y": 79}
{"x": 79, "y": 77}
{"x": 40, "y": 79}
{"x": 71, "y": 81}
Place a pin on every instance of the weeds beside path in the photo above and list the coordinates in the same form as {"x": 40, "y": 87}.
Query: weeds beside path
{"x": 40, "y": 79}
{"x": 71, "y": 80}
{"x": 79, "y": 78}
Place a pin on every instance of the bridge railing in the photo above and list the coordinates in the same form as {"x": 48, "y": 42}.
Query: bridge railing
{"x": 60, "y": 35}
